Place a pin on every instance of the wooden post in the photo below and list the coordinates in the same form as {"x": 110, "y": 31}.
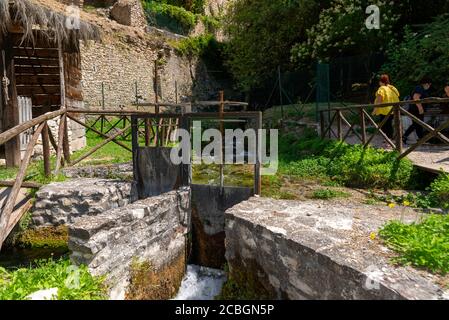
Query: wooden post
{"x": 221, "y": 111}
{"x": 259, "y": 139}
{"x": 60, "y": 142}
{"x": 10, "y": 103}
{"x": 65, "y": 142}
{"x": 339, "y": 126}
{"x": 398, "y": 128}
{"x": 363, "y": 126}
{"x": 46, "y": 150}
{"x": 322, "y": 125}
{"x": 10, "y": 203}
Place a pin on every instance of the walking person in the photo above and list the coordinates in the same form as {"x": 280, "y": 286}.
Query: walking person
{"x": 386, "y": 93}
{"x": 421, "y": 92}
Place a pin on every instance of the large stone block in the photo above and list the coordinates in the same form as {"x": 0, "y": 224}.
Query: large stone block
{"x": 62, "y": 202}
{"x": 146, "y": 235}
{"x": 317, "y": 250}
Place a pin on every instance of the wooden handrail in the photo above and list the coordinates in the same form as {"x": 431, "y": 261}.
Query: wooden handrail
{"x": 11, "y": 133}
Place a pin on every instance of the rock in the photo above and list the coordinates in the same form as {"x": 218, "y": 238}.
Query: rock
{"x": 47, "y": 294}
{"x": 318, "y": 250}
{"x": 129, "y": 13}
{"x": 63, "y": 202}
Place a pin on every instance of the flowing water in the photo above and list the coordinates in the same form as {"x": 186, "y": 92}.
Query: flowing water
{"x": 201, "y": 283}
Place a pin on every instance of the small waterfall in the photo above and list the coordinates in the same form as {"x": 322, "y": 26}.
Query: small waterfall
{"x": 201, "y": 283}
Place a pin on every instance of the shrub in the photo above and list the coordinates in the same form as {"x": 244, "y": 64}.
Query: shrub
{"x": 18, "y": 284}
{"x": 327, "y": 194}
{"x": 439, "y": 191}
{"x": 424, "y": 244}
{"x": 194, "y": 46}
{"x": 176, "y": 19}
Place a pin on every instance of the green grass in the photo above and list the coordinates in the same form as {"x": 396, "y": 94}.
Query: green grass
{"x": 327, "y": 194}
{"x": 423, "y": 245}
{"x": 46, "y": 274}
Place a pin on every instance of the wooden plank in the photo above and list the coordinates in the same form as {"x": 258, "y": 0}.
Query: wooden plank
{"x": 36, "y": 70}
{"x": 10, "y": 203}
{"x": 50, "y": 79}
{"x": 74, "y": 93}
{"x": 17, "y": 215}
{"x": 28, "y": 90}
{"x": 46, "y": 150}
{"x": 15, "y": 131}
{"x": 38, "y": 53}
{"x": 11, "y": 109}
{"x": 46, "y": 100}
{"x": 36, "y": 62}
{"x": 60, "y": 142}
{"x": 65, "y": 142}
{"x": 39, "y": 41}
{"x": 25, "y": 184}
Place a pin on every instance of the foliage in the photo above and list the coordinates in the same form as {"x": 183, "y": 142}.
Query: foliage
{"x": 352, "y": 166}
{"x": 261, "y": 34}
{"x": 420, "y": 54}
{"x": 341, "y": 30}
{"x": 176, "y": 18}
{"x": 439, "y": 191}
{"x": 194, "y": 46}
{"x": 18, "y": 284}
{"x": 195, "y": 6}
{"x": 424, "y": 244}
{"x": 327, "y": 194}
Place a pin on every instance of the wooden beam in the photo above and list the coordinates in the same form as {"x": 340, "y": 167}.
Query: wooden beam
{"x": 17, "y": 215}
{"x": 100, "y": 145}
{"x": 46, "y": 100}
{"x": 13, "y": 132}
{"x": 21, "y": 70}
{"x": 65, "y": 142}
{"x": 11, "y": 109}
{"x": 36, "y": 62}
{"x": 25, "y": 184}
{"x": 101, "y": 134}
{"x": 60, "y": 142}
{"x": 35, "y": 53}
{"x": 46, "y": 150}
{"x": 10, "y": 203}
{"x": 29, "y": 80}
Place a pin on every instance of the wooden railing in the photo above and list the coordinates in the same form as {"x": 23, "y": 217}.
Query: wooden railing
{"x": 333, "y": 122}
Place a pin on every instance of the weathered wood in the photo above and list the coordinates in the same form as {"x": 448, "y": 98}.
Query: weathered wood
{"x": 10, "y": 203}
{"x": 17, "y": 215}
{"x": 36, "y": 70}
{"x": 363, "y": 126}
{"x": 65, "y": 142}
{"x": 398, "y": 128}
{"x": 100, "y": 145}
{"x": 46, "y": 100}
{"x": 426, "y": 138}
{"x": 147, "y": 132}
{"x": 13, "y": 132}
{"x": 36, "y": 62}
{"x": 379, "y": 130}
{"x": 100, "y": 134}
{"x": 49, "y": 79}
{"x": 439, "y": 135}
{"x": 60, "y": 142}
{"x": 351, "y": 128}
{"x": 46, "y": 150}
{"x": 39, "y": 53}
{"x": 11, "y": 108}
{"x": 25, "y": 184}
{"x": 29, "y": 90}
{"x": 339, "y": 125}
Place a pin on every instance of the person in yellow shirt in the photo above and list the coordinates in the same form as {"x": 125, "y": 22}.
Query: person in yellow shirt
{"x": 387, "y": 93}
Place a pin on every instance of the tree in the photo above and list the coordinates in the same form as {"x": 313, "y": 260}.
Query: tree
{"x": 419, "y": 54}
{"x": 261, "y": 34}
{"x": 342, "y": 31}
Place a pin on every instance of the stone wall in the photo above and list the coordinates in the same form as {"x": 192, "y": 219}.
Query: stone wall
{"x": 316, "y": 250}
{"x": 120, "y": 68}
{"x": 62, "y": 202}
{"x": 145, "y": 238}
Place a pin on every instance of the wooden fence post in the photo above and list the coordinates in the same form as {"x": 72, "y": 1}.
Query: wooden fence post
{"x": 46, "y": 149}
{"x": 398, "y": 128}
{"x": 339, "y": 126}
{"x": 363, "y": 126}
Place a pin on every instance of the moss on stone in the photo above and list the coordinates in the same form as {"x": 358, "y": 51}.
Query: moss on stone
{"x": 43, "y": 237}
{"x": 148, "y": 283}
{"x": 246, "y": 282}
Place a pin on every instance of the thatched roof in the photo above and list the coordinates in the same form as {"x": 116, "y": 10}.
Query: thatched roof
{"x": 32, "y": 15}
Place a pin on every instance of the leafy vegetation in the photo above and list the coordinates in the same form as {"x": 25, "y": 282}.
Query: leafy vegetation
{"x": 327, "y": 194}
{"x": 46, "y": 274}
{"x": 424, "y": 244}
{"x": 194, "y": 46}
{"x": 439, "y": 192}
{"x": 420, "y": 53}
{"x": 175, "y": 18}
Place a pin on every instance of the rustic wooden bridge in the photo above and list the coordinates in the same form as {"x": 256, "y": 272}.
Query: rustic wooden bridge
{"x": 352, "y": 123}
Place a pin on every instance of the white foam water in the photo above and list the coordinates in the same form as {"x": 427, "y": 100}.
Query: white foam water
{"x": 201, "y": 283}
